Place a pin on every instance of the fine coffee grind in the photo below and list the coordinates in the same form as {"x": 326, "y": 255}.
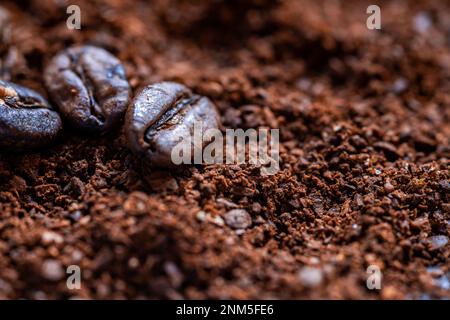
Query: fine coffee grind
{"x": 363, "y": 185}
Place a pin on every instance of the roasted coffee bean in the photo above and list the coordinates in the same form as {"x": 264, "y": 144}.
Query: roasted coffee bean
{"x": 161, "y": 114}
{"x": 26, "y": 118}
{"x": 89, "y": 86}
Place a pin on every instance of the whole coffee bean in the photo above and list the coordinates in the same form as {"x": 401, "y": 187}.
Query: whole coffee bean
{"x": 26, "y": 118}
{"x": 89, "y": 86}
{"x": 162, "y": 113}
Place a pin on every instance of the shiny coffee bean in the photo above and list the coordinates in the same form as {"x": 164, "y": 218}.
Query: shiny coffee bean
{"x": 161, "y": 114}
{"x": 89, "y": 86}
{"x": 26, "y": 118}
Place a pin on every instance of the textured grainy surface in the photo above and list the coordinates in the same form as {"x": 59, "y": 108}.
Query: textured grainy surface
{"x": 364, "y": 120}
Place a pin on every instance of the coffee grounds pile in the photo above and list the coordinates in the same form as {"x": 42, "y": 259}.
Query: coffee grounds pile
{"x": 364, "y": 119}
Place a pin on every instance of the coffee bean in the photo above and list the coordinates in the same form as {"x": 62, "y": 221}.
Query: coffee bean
{"x": 89, "y": 86}
{"x": 162, "y": 113}
{"x": 26, "y": 118}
